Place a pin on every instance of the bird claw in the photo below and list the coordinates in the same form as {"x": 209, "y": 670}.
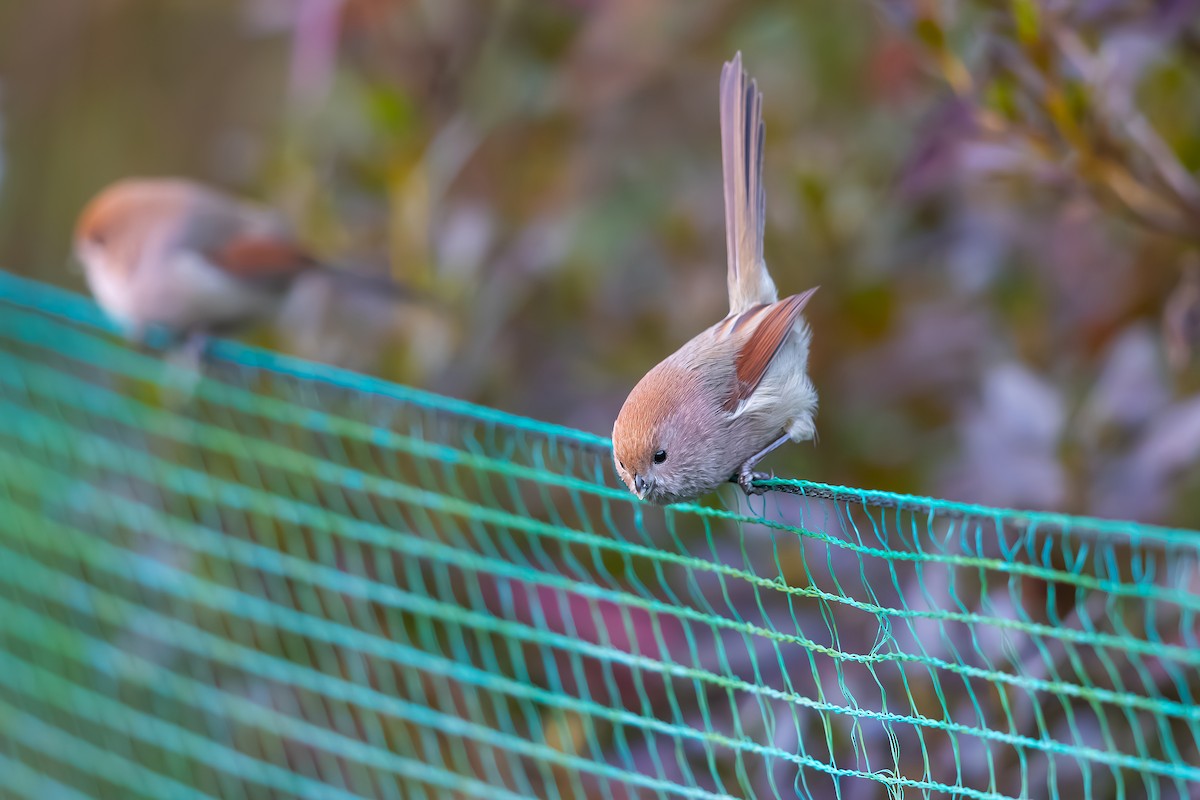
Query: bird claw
{"x": 189, "y": 351}
{"x": 185, "y": 368}
{"x": 746, "y": 478}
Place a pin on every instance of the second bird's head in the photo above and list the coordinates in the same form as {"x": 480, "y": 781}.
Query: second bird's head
{"x": 663, "y": 436}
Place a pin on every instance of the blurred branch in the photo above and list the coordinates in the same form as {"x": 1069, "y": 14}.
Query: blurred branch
{"x": 314, "y": 50}
{"x": 1039, "y": 84}
{"x": 1129, "y": 120}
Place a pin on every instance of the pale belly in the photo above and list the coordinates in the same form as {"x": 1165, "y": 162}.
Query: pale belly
{"x": 181, "y": 293}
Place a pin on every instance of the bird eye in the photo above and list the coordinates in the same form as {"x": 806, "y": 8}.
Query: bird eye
{"x": 660, "y": 456}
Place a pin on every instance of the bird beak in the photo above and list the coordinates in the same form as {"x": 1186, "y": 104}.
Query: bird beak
{"x": 641, "y": 486}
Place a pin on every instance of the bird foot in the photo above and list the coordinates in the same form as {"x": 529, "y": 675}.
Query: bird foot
{"x": 184, "y": 369}
{"x": 746, "y": 478}
{"x": 195, "y": 347}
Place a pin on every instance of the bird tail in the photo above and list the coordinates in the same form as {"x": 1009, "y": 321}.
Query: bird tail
{"x": 742, "y": 133}
{"x": 373, "y": 283}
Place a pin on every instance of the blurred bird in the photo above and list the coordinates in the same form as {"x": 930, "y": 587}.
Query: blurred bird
{"x": 173, "y": 253}
{"x": 723, "y": 401}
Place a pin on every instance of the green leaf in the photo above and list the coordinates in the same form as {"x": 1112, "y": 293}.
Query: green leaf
{"x": 1026, "y": 16}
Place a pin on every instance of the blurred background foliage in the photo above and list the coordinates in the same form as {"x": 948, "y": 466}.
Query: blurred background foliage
{"x": 997, "y": 199}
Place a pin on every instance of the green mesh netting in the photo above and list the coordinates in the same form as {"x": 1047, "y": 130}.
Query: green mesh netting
{"x": 299, "y": 582}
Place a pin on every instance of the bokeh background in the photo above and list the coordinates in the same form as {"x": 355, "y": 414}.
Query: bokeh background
{"x": 997, "y": 199}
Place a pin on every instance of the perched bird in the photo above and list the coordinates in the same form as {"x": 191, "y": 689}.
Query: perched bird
{"x": 715, "y": 407}
{"x": 173, "y": 253}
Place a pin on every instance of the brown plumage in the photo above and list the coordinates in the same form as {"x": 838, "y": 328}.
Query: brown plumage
{"x": 771, "y": 324}
{"x": 712, "y": 409}
{"x": 169, "y": 252}
{"x": 177, "y": 254}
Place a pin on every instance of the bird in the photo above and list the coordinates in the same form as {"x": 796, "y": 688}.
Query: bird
{"x": 710, "y": 411}
{"x": 176, "y": 254}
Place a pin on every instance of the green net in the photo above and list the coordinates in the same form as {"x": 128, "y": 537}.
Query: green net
{"x": 292, "y": 581}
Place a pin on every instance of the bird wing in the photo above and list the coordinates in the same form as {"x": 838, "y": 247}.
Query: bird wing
{"x": 763, "y": 329}
{"x": 742, "y": 132}
{"x": 247, "y": 241}
{"x": 259, "y": 257}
